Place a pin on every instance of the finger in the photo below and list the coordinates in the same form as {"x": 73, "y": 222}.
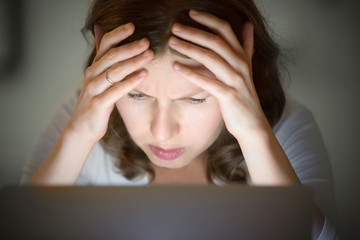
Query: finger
{"x": 113, "y": 38}
{"x": 218, "y": 26}
{"x": 210, "y": 41}
{"x": 99, "y": 33}
{"x": 122, "y": 69}
{"x": 119, "y": 54}
{"x": 118, "y": 72}
{"x": 248, "y": 40}
{"x": 211, "y": 61}
{"x": 118, "y": 90}
{"x": 215, "y": 87}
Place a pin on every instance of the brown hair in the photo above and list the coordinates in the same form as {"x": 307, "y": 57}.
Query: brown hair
{"x": 153, "y": 20}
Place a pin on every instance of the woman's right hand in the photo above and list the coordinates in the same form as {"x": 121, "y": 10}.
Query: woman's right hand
{"x": 99, "y": 95}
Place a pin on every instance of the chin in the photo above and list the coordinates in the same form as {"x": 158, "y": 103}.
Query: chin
{"x": 170, "y": 164}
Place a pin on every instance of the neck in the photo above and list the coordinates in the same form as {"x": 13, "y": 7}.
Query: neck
{"x": 194, "y": 173}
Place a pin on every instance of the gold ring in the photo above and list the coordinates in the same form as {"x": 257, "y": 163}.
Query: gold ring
{"x": 108, "y": 78}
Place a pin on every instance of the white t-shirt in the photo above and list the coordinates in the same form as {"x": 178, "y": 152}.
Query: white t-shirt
{"x": 296, "y": 131}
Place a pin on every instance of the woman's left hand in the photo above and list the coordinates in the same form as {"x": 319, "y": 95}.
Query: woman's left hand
{"x": 231, "y": 64}
{"x": 233, "y": 87}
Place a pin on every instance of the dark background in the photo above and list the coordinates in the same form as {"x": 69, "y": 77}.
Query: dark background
{"x": 48, "y": 54}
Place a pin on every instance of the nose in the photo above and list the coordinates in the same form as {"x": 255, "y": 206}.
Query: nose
{"x": 164, "y": 124}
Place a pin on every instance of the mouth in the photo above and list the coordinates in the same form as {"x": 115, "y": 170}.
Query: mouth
{"x": 167, "y": 154}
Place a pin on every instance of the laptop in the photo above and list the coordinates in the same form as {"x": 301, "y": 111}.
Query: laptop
{"x": 156, "y": 212}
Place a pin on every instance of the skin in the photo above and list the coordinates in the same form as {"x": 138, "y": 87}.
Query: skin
{"x": 89, "y": 120}
{"x": 168, "y": 111}
{"x": 234, "y": 90}
{"x": 229, "y": 83}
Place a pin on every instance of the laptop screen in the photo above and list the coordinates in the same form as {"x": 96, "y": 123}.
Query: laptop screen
{"x": 156, "y": 212}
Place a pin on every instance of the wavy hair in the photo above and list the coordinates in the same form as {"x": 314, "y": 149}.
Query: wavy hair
{"x": 153, "y": 20}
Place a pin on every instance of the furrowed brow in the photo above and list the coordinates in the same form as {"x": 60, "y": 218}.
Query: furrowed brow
{"x": 190, "y": 94}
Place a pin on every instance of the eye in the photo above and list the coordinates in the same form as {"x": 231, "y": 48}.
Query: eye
{"x": 137, "y": 96}
{"x": 196, "y": 100}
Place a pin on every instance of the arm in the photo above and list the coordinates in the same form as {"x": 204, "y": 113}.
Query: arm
{"x": 234, "y": 89}
{"x": 48, "y": 139}
{"x": 89, "y": 120}
{"x": 300, "y": 137}
{"x": 63, "y": 163}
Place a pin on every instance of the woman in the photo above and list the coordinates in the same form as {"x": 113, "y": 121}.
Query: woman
{"x": 183, "y": 92}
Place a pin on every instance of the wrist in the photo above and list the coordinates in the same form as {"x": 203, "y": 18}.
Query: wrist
{"x": 255, "y": 131}
{"x": 78, "y": 138}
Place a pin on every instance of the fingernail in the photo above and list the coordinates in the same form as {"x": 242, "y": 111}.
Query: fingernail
{"x": 146, "y": 53}
{"x": 128, "y": 26}
{"x": 177, "y": 67}
{"x": 142, "y": 74}
{"x": 142, "y": 42}
{"x": 193, "y": 12}
{"x": 174, "y": 41}
{"x": 176, "y": 28}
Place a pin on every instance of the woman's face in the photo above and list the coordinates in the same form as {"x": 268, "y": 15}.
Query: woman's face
{"x": 172, "y": 120}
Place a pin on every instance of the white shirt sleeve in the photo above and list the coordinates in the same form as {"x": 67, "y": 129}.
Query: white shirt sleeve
{"x": 47, "y": 139}
{"x": 300, "y": 137}
{"x": 296, "y": 131}
{"x": 99, "y": 168}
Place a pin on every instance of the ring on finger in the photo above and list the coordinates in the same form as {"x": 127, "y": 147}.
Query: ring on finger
{"x": 108, "y": 78}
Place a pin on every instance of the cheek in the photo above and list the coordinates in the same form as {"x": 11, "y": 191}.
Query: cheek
{"x": 132, "y": 116}
{"x": 200, "y": 123}
{"x": 205, "y": 123}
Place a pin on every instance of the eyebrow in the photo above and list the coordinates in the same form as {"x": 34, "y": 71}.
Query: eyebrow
{"x": 186, "y": 95}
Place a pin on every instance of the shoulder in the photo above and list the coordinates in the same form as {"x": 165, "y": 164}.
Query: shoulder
{"x": 61, "y": 117}
{"x": 295, "y": 116}
{"x": 298, "y": 132}
{"x": 101, "y": 168}
{"x": 47, "y": 138}
{"x": 299, "y": 135}
{"x": 301, "y": 139}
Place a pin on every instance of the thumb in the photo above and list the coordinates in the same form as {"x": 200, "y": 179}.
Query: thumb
{"x": 248, "y": 39}
{"x": 99, "y": 33}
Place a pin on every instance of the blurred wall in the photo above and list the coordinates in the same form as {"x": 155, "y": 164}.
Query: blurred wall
{"x": 54, "y": 53}
{"x": 322, "y": 35}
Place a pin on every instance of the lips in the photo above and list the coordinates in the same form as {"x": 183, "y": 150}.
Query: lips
{"x": 167, "y": 154}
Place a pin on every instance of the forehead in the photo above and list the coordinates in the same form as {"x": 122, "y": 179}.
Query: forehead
{"x": 164, "y": 81}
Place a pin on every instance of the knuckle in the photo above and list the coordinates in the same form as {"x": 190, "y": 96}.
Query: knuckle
{"x": 216, "y": 40}
{"x": 133, "y": 64}
{"x": 238, "y": 77}
{"x": 106, "y": 36}
{"x": 90, "y": 88}
{"x": 238, "y": 81}
{"x": 244, "y": 68}
{"x": 231, "y": 95}
{"x": 212, "y": 56}
{"x": 118, "y": 73}
{"x": 111, "y": 54}
{"x": 139, "y": 60}
{"x": 192, "y": 75}
{"x": 95, "y": 102}
{"x": 131, "y": 48}
{"x": 135, "y": 46}
{"x": 224, "y": 25}
{"x": 186, "y": 46}
{"x": 188, "y": 74}
{"x": 89, "y": 72}
{"x": 247, "y": 68}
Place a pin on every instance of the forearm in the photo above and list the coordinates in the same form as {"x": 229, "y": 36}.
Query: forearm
{"x": 64, "y": 162}
{"x": 266, "y": 160}
{"x": 268, "y": 165}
